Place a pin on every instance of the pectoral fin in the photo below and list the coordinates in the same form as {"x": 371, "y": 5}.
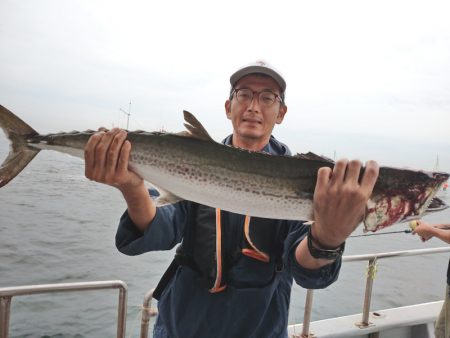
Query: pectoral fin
{"x": 166, "y": 198}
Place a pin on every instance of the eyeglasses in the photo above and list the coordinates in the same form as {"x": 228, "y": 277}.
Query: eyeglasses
{"x": 266, "y": 98}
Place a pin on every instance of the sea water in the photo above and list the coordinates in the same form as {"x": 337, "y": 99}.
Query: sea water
{"x": 56, "y": 226}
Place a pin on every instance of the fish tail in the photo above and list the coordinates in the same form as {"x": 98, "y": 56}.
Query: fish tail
{"x": 20, "y": 153}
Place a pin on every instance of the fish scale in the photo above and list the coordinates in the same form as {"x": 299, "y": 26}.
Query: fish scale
{"x": 192, "y": 166}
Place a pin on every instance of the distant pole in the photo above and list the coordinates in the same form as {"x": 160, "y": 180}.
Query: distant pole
{"x": 436, "y": 165}
{"x": 127, "y": 113}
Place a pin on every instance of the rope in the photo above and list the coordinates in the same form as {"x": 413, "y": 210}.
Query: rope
{"x": 138, "y": 317}
{"x": 372, "y": 269}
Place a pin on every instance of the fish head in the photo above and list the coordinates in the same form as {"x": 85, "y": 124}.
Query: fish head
{"x": 401, "y": 197}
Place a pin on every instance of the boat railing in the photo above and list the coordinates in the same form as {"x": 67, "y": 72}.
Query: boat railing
{"x": 371, "y": 270}
{"x": 146, "y": 313}
{"x": 7, "y": 293}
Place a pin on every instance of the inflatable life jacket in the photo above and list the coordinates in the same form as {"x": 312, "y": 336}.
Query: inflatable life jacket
{"x": 213, "y": 242}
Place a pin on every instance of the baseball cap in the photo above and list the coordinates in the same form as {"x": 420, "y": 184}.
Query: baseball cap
{"x": 259, "y": 67}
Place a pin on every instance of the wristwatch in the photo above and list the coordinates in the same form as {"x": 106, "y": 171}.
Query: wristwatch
{"x": 331, "y": 254}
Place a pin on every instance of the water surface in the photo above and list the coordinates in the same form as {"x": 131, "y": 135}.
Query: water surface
{"x": 57, "y": 226}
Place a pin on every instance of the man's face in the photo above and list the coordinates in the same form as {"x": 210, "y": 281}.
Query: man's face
{"x": 254, "y": 122}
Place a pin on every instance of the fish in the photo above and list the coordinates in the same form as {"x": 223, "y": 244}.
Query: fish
{"x": 192, "y": 166}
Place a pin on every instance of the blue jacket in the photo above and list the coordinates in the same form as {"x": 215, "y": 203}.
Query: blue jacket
{"x": 256, "y": 301}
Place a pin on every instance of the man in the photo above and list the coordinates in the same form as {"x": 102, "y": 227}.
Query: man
{"x": 233, "y": 273}
{"x": 426, "y": 231}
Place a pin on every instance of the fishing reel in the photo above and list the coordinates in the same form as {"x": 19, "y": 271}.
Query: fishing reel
{"x": 413, "y": 225}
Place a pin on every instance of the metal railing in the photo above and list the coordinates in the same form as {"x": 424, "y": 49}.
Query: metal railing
{"x": 147, "y": 312}
{"x": 372, "y": 258}
{"x": 6, "y": 295}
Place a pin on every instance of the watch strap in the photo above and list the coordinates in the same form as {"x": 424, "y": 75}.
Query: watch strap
{"x": 331, "y": 254}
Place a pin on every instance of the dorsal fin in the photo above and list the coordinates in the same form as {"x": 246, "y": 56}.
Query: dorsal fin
{"x": 311, "y": 156}
{"x": 195, "y": 127}
{"x": 184, "y": 133}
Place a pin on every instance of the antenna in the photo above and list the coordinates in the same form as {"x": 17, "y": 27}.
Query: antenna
{"x": 436, "y": 165}
{"x": 127, "y": 113}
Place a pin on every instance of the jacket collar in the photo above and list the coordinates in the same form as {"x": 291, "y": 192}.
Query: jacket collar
{"x": 274, "y": 146}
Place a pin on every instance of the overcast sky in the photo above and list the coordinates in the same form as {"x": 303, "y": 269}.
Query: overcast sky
{"x": 365, "y": 79}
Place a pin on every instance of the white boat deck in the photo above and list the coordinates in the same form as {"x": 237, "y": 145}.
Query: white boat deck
{"x": 415, "y": 321}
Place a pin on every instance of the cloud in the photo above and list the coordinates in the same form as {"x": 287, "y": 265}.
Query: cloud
{"x": 379, "y": 70}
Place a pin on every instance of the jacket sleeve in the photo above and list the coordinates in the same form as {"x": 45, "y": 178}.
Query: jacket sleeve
{"x": 163, "y": 233}
{"x": 307, "y": 278}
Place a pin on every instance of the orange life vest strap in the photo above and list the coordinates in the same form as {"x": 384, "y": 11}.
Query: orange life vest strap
{"x": 254, "y": 252}
{"x": 217, "y": 284}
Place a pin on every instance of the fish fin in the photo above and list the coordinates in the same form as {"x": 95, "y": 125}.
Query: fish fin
{"x": 184, "y": 133}
{"x": 311, "y": 156}
{"x": 166, "y": 197}
{"x": 14, "y": 164}
{"x": 195, "y": 128}
{"x": 20, "y": 153}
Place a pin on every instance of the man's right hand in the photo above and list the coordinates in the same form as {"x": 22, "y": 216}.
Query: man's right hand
{"x": 106, "y": 157}
{"x": 106, "y": 161}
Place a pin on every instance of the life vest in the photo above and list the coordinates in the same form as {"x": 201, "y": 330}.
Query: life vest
{"x": 212, "y": 244}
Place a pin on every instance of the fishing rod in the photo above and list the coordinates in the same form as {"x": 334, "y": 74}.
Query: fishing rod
{"x": 412, "y": 226}
{"x": 407, "y": 231}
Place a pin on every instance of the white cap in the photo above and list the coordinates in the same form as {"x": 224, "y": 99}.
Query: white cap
{"x": 259, "y": 67}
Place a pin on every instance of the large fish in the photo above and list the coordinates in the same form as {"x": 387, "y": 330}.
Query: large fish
{"x": 192, "y": 166}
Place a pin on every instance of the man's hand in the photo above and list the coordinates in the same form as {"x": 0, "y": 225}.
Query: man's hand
{"x": 340, "y": 199}
{"x": 106, "y": 159}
